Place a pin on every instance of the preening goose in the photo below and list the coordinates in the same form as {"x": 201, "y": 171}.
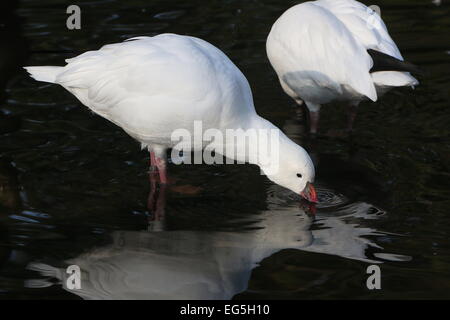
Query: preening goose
{"x": 329, "y": 50}
{"x": 153, "y": 86}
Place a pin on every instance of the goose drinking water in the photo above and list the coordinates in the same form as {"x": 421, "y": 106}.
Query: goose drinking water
{"x": 152, "y": 86}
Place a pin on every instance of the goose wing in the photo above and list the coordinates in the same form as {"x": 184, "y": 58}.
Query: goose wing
{"x": 150, "y": 85}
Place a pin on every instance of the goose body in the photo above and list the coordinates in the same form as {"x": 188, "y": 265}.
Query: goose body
{"x": 152, "y": 86}
{"x": 319, "y": 50}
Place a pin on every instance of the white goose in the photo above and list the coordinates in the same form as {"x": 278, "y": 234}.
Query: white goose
{"x": 330, "y": 50}
{"x": 208, "y": 265}
{"x": 151, "y": 86}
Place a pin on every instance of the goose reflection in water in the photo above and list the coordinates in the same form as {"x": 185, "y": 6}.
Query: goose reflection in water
{"x": 161, "y": 264}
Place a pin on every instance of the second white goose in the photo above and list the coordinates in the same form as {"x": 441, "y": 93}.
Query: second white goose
{"x": 329, "y": 50}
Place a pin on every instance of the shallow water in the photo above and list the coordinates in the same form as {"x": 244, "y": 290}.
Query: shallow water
{"x": 74, "y": 188}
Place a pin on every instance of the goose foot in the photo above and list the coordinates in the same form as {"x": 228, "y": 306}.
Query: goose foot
{"x": 186, "y": 189}
{"x": 309, "y": 208}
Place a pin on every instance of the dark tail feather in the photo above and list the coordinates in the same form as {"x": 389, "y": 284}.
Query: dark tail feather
{"x": 385, "y": 62}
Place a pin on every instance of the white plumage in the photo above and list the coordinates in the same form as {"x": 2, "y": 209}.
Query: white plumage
{"x": 319, "y": 52}
{"x": 152, "y": 86}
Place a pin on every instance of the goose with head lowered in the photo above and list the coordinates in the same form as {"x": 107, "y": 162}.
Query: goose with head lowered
{"x": 335, "y": 50}
{"x": 153, "y": 86}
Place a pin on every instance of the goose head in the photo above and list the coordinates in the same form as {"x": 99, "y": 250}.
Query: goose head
{"x": 295, "y": 170}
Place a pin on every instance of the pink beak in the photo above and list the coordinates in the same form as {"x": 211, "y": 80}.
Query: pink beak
{"x": 309, "y": 193}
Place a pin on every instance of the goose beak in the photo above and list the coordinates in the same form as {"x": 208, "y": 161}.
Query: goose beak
{"x": 309, "y": 193}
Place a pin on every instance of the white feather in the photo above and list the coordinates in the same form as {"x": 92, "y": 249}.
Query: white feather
{"x": 44, "y": 73}
{"x": 369, "y": 29}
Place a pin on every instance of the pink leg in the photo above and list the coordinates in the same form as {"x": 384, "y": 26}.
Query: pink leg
{"x": 151, "y": 198}
{"x": 314, "y": 114}
{"x": 156, "y": 198}
{"x": 161, "y": 164}
{"x": 352, "y": 109}
{"x": 313, "y": 121}
{"x": 158, "y": 163}
{"x": 152, "y": 159}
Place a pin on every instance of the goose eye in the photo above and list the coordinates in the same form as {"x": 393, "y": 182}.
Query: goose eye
{"x": 299, "y": 175}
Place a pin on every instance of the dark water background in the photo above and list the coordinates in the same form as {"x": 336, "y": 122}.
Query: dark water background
{"x": 73, "y": 187}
